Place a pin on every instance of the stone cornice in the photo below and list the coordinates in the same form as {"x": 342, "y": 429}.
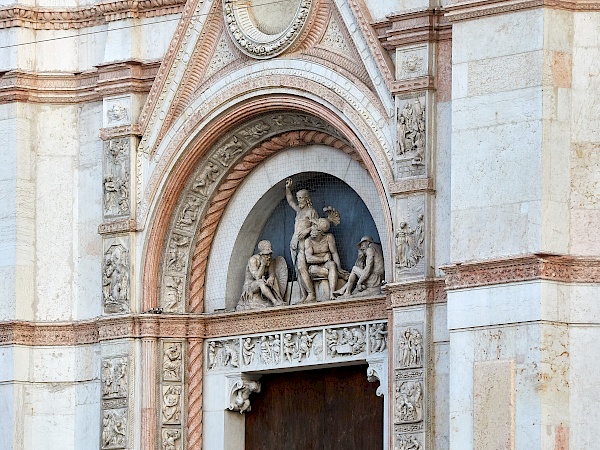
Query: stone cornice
{"x": 69, "y": 88}
{"x": 26, "y": 16}
{"x": 567, "y": 269}
{"x": 475, "y": 9}
{"x": 412, "y": 27}
{"x": 415, "y": 293}
{"x": 190, "y": 326}
{"x": 412, "y": 185}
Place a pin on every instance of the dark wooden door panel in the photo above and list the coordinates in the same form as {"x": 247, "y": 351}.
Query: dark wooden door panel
{"x": 327, "y": 409}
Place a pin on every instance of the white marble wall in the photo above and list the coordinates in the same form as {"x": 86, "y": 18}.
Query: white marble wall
{"x": 497, "y": 135}
{"x": 49, "y": 397}
{"x": 585, "y": 135}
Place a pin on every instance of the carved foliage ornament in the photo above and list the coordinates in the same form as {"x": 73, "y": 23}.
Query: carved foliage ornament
{"x": 263, "y": 29}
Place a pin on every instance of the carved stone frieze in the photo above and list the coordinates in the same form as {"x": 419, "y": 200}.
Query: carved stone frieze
{"x": 81, "y": 17}
{"x": 116, "y": 178}
{"x": 116, "y": 276}
{"x": 411, "y": 137}
{"x": 566, "y": 269}
{"x": 223, "y": 354}
{"x": 297, "y": 347}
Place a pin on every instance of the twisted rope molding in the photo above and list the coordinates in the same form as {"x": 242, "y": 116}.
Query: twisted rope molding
{"x": 195, "y": 375}
{"x": 228, "y": 187}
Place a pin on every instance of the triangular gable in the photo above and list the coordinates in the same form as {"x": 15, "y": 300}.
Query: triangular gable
{"x": 201, "y": 50}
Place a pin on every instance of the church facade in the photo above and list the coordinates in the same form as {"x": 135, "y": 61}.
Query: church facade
{"x": 295, "y": 224}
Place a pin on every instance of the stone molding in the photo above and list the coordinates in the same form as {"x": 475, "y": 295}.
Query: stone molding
{"x": 565, "y": 269}
{"x": 75, "y": 18}
{"x": 414, "y": 293}
{"x": 190, "y": 326}
{"x": 120, "y": 226}
{"x": 473, "y": 10}
{"x": 427, "y": 25}
{"x": 412, "y": 185}
{"x": 111, "y": 79}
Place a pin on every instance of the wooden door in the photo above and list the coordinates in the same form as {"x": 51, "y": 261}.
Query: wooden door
{"x": 327, "y": 409}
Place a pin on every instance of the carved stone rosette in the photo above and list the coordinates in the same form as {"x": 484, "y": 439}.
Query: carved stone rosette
{"x": 194, "y": 200}
{"x": 171, "y": 395}
{"x": 240, "y": 20}
{"x": 116, "y": 275}
{"x": 409, "y": 393}
{"x": 114, "y": 378}
{"x": 293, "y": 348}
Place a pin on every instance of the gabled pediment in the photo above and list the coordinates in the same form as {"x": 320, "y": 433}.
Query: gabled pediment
{"x": 206, "y": 47}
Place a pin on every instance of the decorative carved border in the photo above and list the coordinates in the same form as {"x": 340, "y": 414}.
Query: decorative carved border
{"x": 412, "y": 185}
{"x": 112, "y": 79}
{"x": 89, "y": 16}
{"x": 190, "y": 326}
{"x": 566, "y": 269}
{"x": 415, "y": 293}
{"x": 473, "y": 10}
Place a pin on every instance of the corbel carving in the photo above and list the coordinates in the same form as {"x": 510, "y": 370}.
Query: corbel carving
{"x": 240, "y": 391}
{"x": 378, "y": 371}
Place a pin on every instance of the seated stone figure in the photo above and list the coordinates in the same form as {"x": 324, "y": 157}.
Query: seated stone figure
{"x": 321, "y": 259}
{"x": 266, "y": 280}
{"x": 368, "y": 271}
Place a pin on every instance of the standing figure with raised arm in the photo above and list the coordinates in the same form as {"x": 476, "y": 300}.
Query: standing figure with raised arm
{"x": 302, "y": 225}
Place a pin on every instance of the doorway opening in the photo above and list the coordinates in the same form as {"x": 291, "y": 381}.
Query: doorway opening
{"x": 327, "y": 409}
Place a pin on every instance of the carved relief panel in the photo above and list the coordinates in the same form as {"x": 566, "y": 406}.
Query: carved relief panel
{"x": 410, "y": 157}
{"x": 410, "y": 237}
{"x": 116, "y": 171}
{"x": 116, "y": 275}
{"x": 171, "y": 395}
{"x": 412, "y": 62}
{"x": 409, "y": 390}
{"x": 114, "y": 378}
{"x": 117, "y": 111}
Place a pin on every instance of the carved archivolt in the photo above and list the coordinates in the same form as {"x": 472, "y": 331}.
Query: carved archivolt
{"x": 206, "y": 194}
